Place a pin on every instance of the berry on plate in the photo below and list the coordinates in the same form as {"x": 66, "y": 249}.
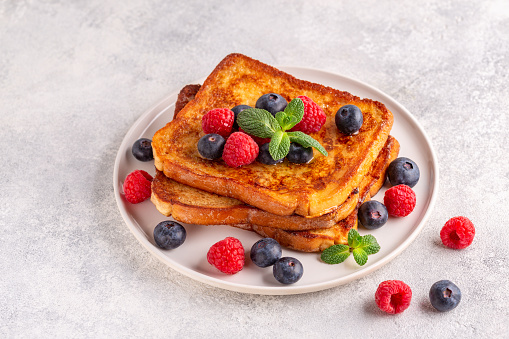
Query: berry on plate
{"x": 373, "y": 214}
{"x": 393, "y": 296}
{"x": 137, "y": 186}
{"x": 403, "y": 171}
{"x": 219, "y": 121}
{"x": 400, "y": 200}
{"x": 444, "y": 295}
{"x": 287, "y": 270}
{"x": 265, "y": 252}
{"x": 169, "y": 234}
{"x": 458, "y": 233}
{"x": 227, "y": 255}
{"x": 240, "y": 149}
{"x": 142, "y": 149}
{"x": 313, "y": 118}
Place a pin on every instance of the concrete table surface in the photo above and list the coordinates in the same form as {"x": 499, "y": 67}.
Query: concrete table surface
{"x": 75, "y": 75}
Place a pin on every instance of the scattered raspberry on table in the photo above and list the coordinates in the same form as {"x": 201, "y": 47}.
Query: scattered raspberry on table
{"x": 457, "y": 233}
{"x": 393, "y": 296}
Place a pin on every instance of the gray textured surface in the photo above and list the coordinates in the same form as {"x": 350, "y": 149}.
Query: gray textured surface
{"x": 75, "y": 75}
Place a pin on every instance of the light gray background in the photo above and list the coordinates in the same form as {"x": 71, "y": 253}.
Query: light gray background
{"x": 75, "y": 75}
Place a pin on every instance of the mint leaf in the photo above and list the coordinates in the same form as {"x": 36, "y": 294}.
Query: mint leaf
{"x": 258, "y": 122}
{"x": 335, "y": 254}
{"x": 283, "y": 119}
{"x": 359, "y": 246}
{"x": 369, "y": 244}
{"x": 279, "y": 145}
{"x": 295, "y": 111}
{"x": 360, "y": 256}
{"x": 306, "y": 141}
{"x": 354, "y": 238}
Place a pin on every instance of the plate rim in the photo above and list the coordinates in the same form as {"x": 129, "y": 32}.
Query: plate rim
{"x": 289, "y": 289}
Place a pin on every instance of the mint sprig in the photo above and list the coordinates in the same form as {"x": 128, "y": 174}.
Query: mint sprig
{"x": 359, "y": 246}
{"x": 262, "y": 124}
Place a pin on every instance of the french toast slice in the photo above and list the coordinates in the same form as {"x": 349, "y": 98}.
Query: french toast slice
{"x": 194, "y": 206}
{"x": 311, "y": 189}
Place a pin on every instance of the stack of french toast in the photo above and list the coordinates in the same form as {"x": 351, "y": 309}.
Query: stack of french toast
{"x": 307, "y": 207}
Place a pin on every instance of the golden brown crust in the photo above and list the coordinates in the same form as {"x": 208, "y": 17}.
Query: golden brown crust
{"x": 311, "y": 241}
{"x": 194, "y": 206}
{"x": 308, "y": 190}
{"x": 378, "y": 172}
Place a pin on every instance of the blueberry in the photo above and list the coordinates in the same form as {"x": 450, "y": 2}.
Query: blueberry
{"x": 265, "y": 252}
{"x": 299, "y": 154}
{"x": 373, "y": 214}
{"x": 287, "y": 270}
{"x": 142, "y": 149}
{"x": 403, "y": 171}
{"x": 236, "y": 110}
{"x": 271, "y": 102}
{"x": 211, "y": 146}
{"x": 169, "y": 234}
{"x": 444, "y": 295}
{"x": 349, "y": 119}
{"x": 264, "y": 156}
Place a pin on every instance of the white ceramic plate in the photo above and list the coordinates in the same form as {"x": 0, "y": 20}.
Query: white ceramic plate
{"x": 190, "y": 258}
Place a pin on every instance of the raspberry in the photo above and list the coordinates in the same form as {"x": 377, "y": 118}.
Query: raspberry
{"x": 137, "y": 186}
{"x": 399, "y": 200}
{"x": 227, "y": 255}
{"x": 240, "y": 149}
{"x": 258, "y": 140}
{"x": 457, "y": 233}
{"x": 393, "y": 296}
{"x": 219, "y": 121}
{"x": 313, "y": 119}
